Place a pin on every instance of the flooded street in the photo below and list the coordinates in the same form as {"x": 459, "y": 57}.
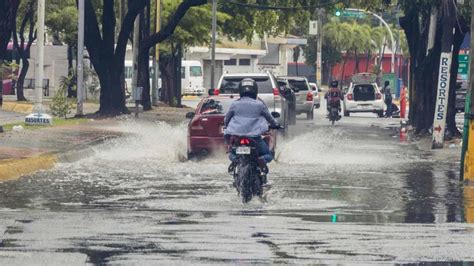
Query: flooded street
{"x": 349, "y": 193}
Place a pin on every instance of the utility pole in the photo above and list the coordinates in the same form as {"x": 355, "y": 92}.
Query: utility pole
{"x": 38, "y": 117}
{"x": 213, "y": 52}
{"x": 468, "y": 162}
{"x": 439, "y": 124}
{"x": 156, "y": 66}
{"x": 80, "y": 60}
{"x": 319, "y": 51}
{"x": 136, "y": 40}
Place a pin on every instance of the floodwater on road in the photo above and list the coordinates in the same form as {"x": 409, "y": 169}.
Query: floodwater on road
{"x": 343, "y": 194}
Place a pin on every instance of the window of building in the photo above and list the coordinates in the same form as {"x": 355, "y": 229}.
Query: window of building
{"x": 244, "y": 62}
{"x": 230, "y": 62}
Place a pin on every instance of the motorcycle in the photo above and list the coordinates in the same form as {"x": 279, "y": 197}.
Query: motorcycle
{"x": 248, "y": 177}
{"x": 333, "y": 115}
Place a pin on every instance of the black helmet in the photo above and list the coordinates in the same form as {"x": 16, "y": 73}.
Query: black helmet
{"x": 387, "y": 83}
{"x": 248, "y": 87}
{"x": 334, "y": 83}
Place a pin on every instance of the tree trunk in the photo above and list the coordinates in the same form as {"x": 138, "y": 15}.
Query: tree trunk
{"x": 143, "y": 59}
{"x": 424, "y": 68}
{"x": 356, "y": 60}
{"x": 178, "y": 59}
{"x": 8, "y": 10}
{"x": 170, "y": 67}
{"x": 461, "y": 30}
{"x": 343, "y": 69}
{"x": 369, "y": 55}
{"x": 71, "y": 93}
{"x": 112, "y": 97}
{"x": 20, "y": 96}
{"x": 167, "y": 78}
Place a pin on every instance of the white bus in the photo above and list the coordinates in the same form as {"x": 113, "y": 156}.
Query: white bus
{"x": 192, "y": 81}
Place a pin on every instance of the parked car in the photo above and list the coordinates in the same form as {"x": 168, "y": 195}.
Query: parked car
{"x": 317, "y": 98}
{"x": 461, "y": 91}
{"x": 206, "y": 126}
{"x": 363, "y": 95}
{"x": 290, "y": 96}
{"x": 304, "y": 95}
{"x": 268, "y": 92}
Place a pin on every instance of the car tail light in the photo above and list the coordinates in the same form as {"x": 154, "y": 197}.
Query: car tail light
{"x": 350, "y": 96}
{"x": 196, "y": 127}
{"x": 309, "y": 97}
{"x": 378, "y": 96}
{"x": 244, "y": 142}
{"x": 216, "y": 91}
{"x": 276, "y": 91}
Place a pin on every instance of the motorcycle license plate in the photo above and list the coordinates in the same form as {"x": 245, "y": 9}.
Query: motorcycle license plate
{"x": 243, "y": 150}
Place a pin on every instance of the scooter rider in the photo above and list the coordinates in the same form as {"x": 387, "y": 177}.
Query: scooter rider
{"x": 334, "y": 96}
{"x": 250, "y": 117}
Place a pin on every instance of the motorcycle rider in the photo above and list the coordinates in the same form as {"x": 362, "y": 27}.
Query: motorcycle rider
{"x": 250, "y": 117}
{"x": 334, "y": 97}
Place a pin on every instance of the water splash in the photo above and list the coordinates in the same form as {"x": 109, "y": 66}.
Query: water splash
{"x": 159, "y": 141}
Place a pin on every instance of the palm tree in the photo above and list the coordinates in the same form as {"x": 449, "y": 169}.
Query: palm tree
{"x": 338, "y": 36}
{"x": 376, "y": 41}
{"x": 360, "y": 42}
{"x": 385, "y": 37}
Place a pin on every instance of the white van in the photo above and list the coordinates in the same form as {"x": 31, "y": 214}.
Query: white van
{"x": 192, "y": 81}
{"x": 129, "y": 74}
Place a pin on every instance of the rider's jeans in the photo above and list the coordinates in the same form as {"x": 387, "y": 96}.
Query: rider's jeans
{"x": 262, "y": 147}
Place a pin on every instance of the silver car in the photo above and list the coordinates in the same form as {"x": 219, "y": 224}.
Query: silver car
{"x": 305, "y": 96}
{"x": 268, "y": 92}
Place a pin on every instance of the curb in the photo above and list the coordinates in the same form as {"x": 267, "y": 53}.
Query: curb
{"x": 190, "y": 97}
{"x": 23, "y": 108}
{"x": 13, "y": 169}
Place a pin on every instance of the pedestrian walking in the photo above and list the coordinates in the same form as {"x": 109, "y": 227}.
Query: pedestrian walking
{"x": 388, "y": 98}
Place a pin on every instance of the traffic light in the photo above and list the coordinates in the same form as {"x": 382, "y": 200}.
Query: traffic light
{"x": 338, "y": 13}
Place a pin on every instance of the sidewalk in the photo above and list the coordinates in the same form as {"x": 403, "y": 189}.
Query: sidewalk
{"x": 27, "y": 151}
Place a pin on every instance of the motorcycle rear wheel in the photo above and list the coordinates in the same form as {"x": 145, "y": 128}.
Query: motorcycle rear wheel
{"x": 245, "y": 177}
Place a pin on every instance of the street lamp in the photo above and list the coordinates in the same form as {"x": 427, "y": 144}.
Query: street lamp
{"x": 213, "y": 48}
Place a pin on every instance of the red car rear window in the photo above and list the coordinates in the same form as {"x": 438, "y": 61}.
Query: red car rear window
{"x": 215, "y": 106}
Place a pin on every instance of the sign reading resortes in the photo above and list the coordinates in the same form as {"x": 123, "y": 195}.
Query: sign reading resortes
{"x": 38, "y": 119}
{"x": 439, "y": 124}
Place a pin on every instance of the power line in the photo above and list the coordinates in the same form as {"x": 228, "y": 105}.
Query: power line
{"x": 265, "y": 7}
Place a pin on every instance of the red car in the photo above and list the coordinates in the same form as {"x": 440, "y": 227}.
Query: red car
{"x": 206, "y": 128}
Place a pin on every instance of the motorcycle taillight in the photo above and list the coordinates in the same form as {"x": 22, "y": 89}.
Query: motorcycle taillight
{"x": 244, "y": 142}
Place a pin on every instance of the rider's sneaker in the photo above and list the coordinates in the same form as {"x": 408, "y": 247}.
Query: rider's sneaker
{"x": 231, "y": 168}
{"x": 262, "y": 165}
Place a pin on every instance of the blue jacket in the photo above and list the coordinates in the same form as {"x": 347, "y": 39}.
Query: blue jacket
{"x": 248, "y": 117}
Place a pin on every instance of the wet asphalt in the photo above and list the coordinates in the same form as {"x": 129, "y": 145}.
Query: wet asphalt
{"x": 349, "y": 193}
